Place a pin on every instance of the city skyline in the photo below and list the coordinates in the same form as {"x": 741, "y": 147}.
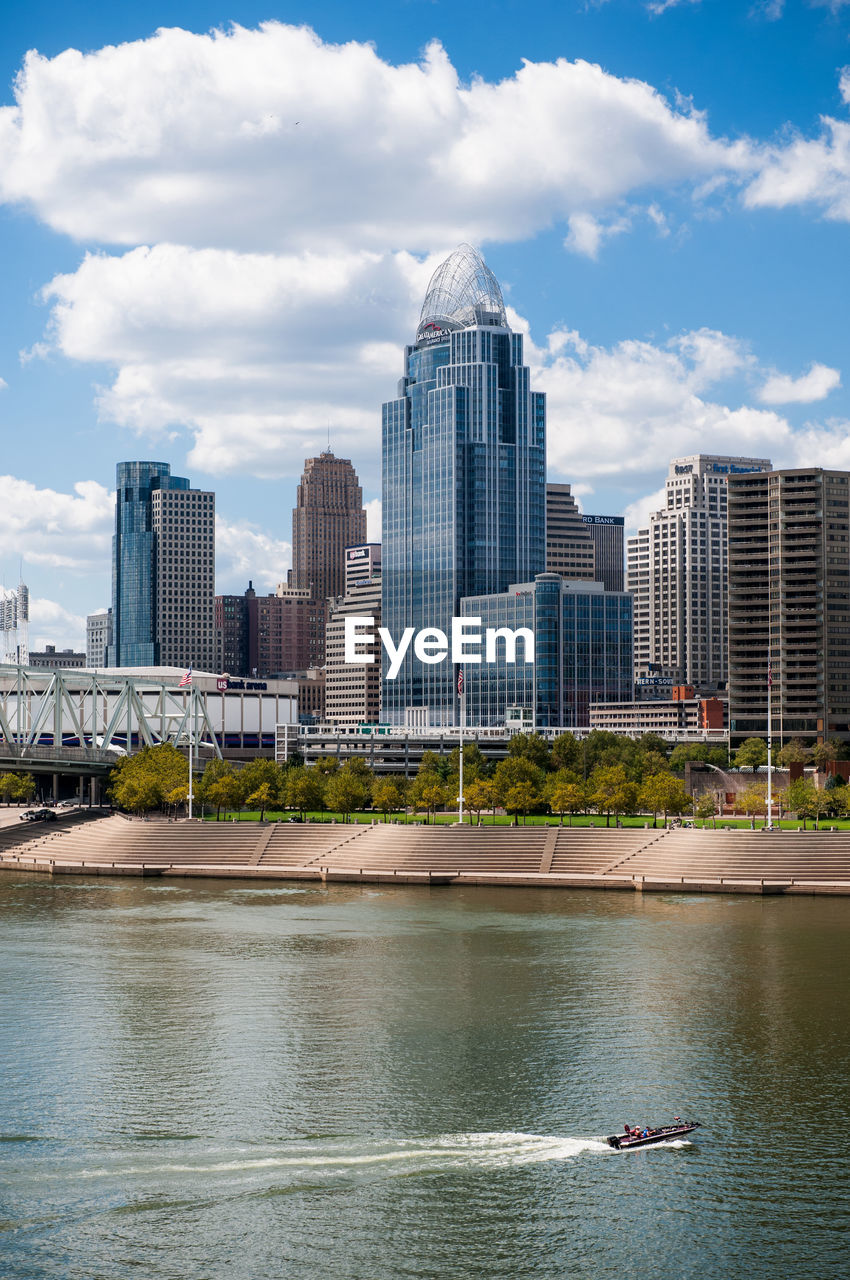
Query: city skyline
{"x": 660, "y": 188}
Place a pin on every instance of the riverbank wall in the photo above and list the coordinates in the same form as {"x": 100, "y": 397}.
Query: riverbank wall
{"x": 634, "y": 860}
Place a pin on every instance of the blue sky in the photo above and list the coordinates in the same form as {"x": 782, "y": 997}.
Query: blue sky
{"x": 214, "y": 246}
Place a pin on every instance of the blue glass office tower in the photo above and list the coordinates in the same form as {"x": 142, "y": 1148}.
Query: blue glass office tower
{"x": 464, "y": 490}
{"x": 583, "y": 654}
{"x": 134, "y": 546}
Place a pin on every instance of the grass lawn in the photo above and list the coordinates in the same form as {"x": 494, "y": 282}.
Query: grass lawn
{"x": 534, "y": 819}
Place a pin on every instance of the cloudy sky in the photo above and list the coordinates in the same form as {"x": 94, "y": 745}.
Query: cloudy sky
{"x": 218, "y": 224}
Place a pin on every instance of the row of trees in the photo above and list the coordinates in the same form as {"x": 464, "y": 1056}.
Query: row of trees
{"x": 604, "y": 773}
{"x": 17, "y": 788}
{"x": 752, "y": 753}
{"x": 157, "y": 778}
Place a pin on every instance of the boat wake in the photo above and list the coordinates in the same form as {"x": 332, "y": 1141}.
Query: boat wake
{"x": 350, "y": 1157}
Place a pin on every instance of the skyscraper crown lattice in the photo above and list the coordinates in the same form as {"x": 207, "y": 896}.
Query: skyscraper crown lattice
{"x": 463, "y": 291}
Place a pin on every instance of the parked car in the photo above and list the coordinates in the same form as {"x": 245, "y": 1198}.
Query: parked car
{"x": 69, "y": 804}
{"x": 28, "y": 815}
{"x": 44, "y": 815}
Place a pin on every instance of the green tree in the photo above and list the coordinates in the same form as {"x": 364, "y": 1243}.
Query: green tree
{"x": 474, "y": 763}
{"x": 705, "y": 808}
{"x": 823, "y": 753}
{"x": 664, "y": 793}
{"x": 752, "y": 801}
{"x": 387, "y": 796}
{"x": 794, "y": 752}
{"x": 565, "y": 795}
{"x": 518, "y": 784}
{"x": 305, "y": 789}
{"x": 801, "y": 798}
{"x": 567, "y": 753}
{"x": 652, "y": 762}
{"x": 214, "y": 770}
{"x": 478, "y": 796}
{"x": 685, "y": 753}
{"x": 612, "y": 791}
{"x": 530, "y": 746}
{"x": 751, "y": 754}
{"x": 143, "y": 782}
{"x": 428, "y": 792}
{"x": 432, "y": 763}
{"x": 8, "y": 787}
{"x": 225, "y": 793}
{"x": 263, "y": 798}
{"x": 268, "y": 773}
{"x": 347, "y": 790}
{"x": 25, "y": 790}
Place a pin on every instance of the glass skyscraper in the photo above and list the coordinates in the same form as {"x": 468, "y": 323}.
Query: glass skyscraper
{"x": 163, "y": 568}
{"x": 583, "y": 654}
{"x": 464, "y": 490}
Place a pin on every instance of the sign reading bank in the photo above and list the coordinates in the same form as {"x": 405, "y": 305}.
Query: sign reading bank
{"x": 432, "y": 645}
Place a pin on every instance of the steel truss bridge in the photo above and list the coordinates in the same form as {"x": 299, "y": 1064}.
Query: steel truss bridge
{"x": 81, "y": 722}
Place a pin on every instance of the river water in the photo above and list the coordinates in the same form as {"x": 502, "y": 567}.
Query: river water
{"x": 218, "y": 1080}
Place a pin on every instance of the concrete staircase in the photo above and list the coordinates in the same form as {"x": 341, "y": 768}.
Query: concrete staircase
{"x": 442, "y": 850}
{"x": 593, "y": 851}
{"x": 742, "y": 855}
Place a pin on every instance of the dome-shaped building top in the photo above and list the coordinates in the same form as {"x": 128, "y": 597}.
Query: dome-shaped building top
{"x": 463, "y": 291}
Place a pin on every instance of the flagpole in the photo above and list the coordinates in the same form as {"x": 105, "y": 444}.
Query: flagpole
{"x": 769, "y": 743}
{"x": 462, "y": 696}
{"x": 191, "y": 743}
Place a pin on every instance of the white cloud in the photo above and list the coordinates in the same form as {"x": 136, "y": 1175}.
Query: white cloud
{"x": 631, "y": 407}
{"x": 374, "y": 509}
{"x": 636, "y": 514}
{"x": 661, "y": 6}
{"x": 3, "y": 384}
{"x": 814, "y": 385}
{"x": 587, "y": 234}
{"x": 58, "y": 530}
{"x": 254, "y": 354}
{"x": 812, "y": 171}
{"x": 244, "y": 551}
{"x": 51, "y": 623}
{"x": 272, "y": 139}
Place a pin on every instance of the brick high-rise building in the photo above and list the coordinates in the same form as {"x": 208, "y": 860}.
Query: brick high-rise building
{"x": 265, "y": 635}
{"x": 327, "y": 518}
{"x": 789, "y": 604}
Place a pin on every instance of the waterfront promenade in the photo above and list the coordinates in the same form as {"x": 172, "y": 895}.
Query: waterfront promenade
{"x": 648, "y": 859}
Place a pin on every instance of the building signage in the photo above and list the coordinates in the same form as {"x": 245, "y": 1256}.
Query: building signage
{"x": 685, "y": 470}
{"x": 222, "y": 682}
{"x": 645, "y": 681}
{"x": 358, "y": 553}
{"x": 432, "y": 332}
{"x": 617, "y": 520}
{"x": 257, "y": 685}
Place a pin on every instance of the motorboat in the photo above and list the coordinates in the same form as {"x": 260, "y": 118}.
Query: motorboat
{"x": 631, "y": 1138}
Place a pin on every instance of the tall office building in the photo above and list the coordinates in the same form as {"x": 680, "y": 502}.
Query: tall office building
{"x": 789, "y": 604}
{"x": 606, "y": 534}
{"x": 583, "y": 654}
{"x": 263, "y": 636}
{"x": 353, "y": 690}
{"x": 678, "y": 576}
{"x": 570, "y": 550}
{"x": 163, "y": 570}
{"x": 327, "y": 518}
{"x": 98, "y": 638}
{"x": 463, "y": 475}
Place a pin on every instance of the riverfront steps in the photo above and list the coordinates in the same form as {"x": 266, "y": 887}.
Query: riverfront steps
{"x": 586, "y": 857}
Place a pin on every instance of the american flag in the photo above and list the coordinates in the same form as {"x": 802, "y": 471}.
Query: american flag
{"x": 460, "y": 683}
{"x": 186, "y": 679}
